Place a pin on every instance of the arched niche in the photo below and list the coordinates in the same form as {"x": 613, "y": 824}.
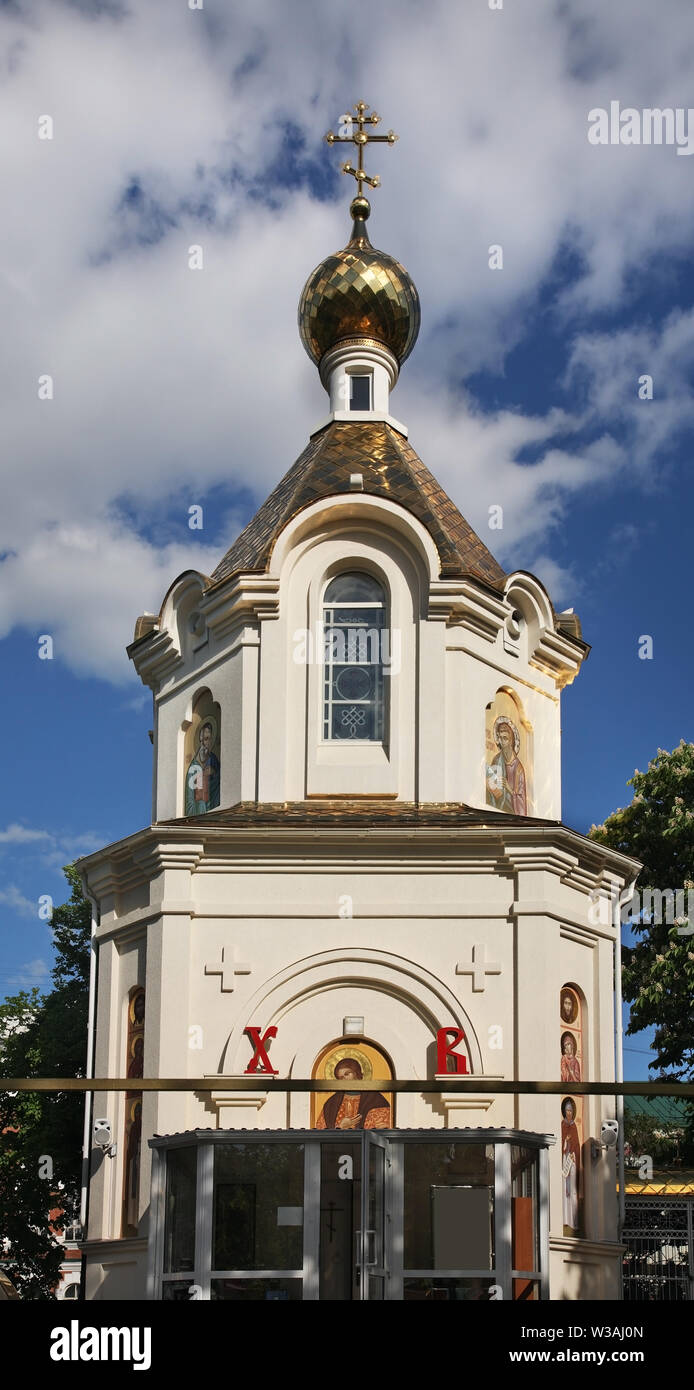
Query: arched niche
{"x": 572, "y": 1034}
{"x": 202, "y": 757}
{"x": 132, "y": 1137}
{"x": 508, "y": 754}
{"x": 180, "y": 616}
{"x": 528, "y": 596}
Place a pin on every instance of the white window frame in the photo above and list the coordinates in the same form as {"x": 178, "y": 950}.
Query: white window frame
{"x": 327, "y": 680}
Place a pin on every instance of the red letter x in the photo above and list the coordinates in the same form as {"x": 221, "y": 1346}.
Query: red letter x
{"x": 260, "y": 1054}
{"x": 444, "y": 1050}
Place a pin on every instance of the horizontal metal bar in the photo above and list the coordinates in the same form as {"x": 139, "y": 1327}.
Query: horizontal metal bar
{"x": 451, "y": 1274}
{"x": 255, "y": 1274}
{"x": 457, "y": 1085}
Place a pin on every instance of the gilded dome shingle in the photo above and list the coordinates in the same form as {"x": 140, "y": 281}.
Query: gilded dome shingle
{"x": 359, "y": 292}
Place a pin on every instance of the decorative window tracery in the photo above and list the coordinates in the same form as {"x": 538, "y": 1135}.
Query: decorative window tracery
{"x": 356, "y": 639}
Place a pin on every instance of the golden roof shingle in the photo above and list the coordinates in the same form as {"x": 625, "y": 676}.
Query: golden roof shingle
{"x": 390, "y": 468}
{"x": 361, "y": 812}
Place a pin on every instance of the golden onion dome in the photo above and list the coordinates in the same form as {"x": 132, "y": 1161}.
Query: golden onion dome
{"x": 359, "y": 293}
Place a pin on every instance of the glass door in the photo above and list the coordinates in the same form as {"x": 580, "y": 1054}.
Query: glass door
{"x": 339, "y": 1221}
{"x": 373, "y": 1248}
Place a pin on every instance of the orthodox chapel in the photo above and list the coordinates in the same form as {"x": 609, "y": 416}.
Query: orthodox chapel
{"x": 356, "y": 911}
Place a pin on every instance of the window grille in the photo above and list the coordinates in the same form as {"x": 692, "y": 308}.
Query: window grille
{"x": 355, "y": 651}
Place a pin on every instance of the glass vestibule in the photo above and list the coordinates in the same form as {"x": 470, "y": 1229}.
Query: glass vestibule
{"x": 388, "y": 1215}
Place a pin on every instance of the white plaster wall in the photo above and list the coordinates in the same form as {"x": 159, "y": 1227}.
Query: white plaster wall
{"x": 234, "y": 689}
{"x": 121, "y": 968}
{"x": 419, "y": 908}
{"x": 117, "y": 1271}
{"x": 475, "y": 671}
{"x": 449, "y": 670}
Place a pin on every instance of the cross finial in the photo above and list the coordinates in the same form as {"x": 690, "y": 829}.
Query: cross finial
{"x": 347, "y": 134}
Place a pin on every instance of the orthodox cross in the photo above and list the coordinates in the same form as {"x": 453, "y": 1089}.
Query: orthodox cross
{"x": 227, "y": 969}
{"x": 479, "y": 969}
{"x": 360, "y": 137}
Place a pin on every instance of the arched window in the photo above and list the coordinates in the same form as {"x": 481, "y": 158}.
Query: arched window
{"x": 356, "y": 642}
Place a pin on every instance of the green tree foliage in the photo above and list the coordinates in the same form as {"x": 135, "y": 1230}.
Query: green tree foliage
{"x": 665, "y": 1142}
{"x": 658, "y": 828}
{"x": 41, "y": 1134}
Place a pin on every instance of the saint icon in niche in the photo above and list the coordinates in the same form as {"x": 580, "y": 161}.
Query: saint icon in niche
{"x": 137, "y": 1052}
{"x": 132, "y": 1162}
{"x": 361, "y": 1110}
{"x": 570, "y": 1064}
{"x": 571, "y": 1159}
{"x": 202, "y": 776}
{"x": 569, "y": 1006}
{"x": 133, "y": 1111}
{"x": 506, "y": 784}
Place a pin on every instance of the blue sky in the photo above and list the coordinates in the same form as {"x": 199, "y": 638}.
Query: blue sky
{"x": 175, "y": 127}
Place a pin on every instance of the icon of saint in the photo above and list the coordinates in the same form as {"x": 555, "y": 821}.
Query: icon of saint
{"x": 135, "y": 1067}
{"x": 571, "y": 1159}
{"x": 569, "y": 1007}
{"x": 506, "y": 784}
{"x": 358, "y": 1110}
{"x": 132, "y": 1166}
{"x": 202, "y": 777}
{"x": 570, "y": 1065}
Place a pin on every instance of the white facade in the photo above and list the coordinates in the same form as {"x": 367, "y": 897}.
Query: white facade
{"x": 356, "y": 879}
{"x": 301, "y": 924}
{"x": 451, "y": 654}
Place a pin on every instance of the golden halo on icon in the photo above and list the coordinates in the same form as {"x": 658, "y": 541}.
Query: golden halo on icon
{"x": 503, "y": 719}
{"x": 340, "y": 1054}
{"x": 139, "y": 995}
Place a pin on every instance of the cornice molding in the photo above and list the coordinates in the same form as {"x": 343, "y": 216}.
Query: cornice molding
{"x": 557, "y": 656}
{"x": 156, "y": 659}
{"x": 579, "y": 1246}
{"x": 236, "y": 600}
{"x": 463, "y": 603}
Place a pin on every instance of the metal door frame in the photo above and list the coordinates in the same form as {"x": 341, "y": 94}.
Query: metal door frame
{"x": 373, "y": 1139}
{"x": 392, "y": 1144}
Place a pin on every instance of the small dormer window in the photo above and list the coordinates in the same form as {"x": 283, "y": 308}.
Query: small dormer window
{"x": 360, "y": 392}
{"x": 354, "y": 618}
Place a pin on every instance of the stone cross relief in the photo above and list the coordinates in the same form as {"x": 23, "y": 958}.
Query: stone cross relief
{"x": 479, "y": 968}
{"x": 228, "y": 968}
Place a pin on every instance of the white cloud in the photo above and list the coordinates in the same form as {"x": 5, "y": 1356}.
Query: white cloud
{"x": 13, "y": 897}
{"x": 138, "y": 703}
{"x": 34, "y": 972}
{"x": 170, "y": 381}
{"x": 53, "y": 848}
{"x": 22, "y": 834}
